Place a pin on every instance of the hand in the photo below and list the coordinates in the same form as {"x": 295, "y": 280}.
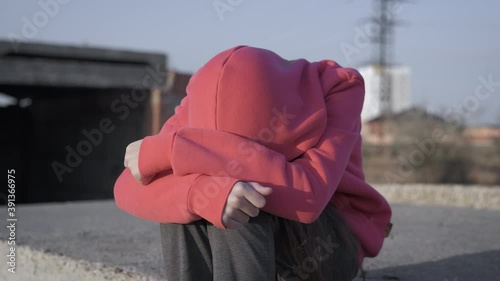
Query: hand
{"x": 244, "y": 201}
{"x": 131, "y": 161}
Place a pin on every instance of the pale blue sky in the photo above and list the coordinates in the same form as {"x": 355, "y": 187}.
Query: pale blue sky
{"x": 447, "y": 44}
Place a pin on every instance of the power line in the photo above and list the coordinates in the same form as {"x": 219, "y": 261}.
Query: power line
{"x": 383, "y": 40}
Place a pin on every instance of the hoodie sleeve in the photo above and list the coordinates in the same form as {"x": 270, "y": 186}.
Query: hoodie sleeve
{"x": 174, "y": 199}
{"x": 170, "y": 198}
{"x": 154, "y": 154}
{"x": 308, "y": 182}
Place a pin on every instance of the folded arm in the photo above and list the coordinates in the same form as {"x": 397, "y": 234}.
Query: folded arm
{"x": 169, "y": 198}
{"x": 174, "y": 199}
{"x": 307, "y": 183}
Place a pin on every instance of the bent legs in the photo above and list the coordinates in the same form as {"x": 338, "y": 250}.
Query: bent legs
{"x": 200, "y": 251}
{"x": 186, "y": 251}
{"x": 246, "y": 253}
{"x": 266, "y": 248}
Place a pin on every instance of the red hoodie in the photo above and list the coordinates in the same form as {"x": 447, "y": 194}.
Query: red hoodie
{"x": 251, "y": 115}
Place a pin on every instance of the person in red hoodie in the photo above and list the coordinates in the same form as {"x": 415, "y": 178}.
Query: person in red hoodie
{"x": 258, "y": 174}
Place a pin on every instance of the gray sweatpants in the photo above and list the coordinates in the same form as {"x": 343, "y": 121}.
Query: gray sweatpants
{"x": 199, "y": 251}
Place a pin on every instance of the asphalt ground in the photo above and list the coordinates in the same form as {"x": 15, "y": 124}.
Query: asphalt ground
{"x": 427, "y": 243}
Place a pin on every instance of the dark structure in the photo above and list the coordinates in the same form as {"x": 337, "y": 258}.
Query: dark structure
{"x": 77, "y": 110}
{"x": 385, "y": 20}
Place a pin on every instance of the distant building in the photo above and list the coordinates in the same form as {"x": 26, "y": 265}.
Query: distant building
{"x": 401, "y": 127}
{"x": 69, "y": 114}
{"x": 482, "y": 135}
{"x": 163, "y": 105}
{"x": 400, "y": 89}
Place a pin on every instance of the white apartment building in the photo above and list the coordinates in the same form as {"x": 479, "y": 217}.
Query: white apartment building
{"x": 400, "y": 89}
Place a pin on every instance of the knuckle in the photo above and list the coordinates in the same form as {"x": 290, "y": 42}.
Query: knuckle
{"x": 233, "y": 201}
{"x": 255, "y": 212}
{"x": 239, "y": 187}
{"x": 230, "y": 212}
{"x": 240, "y": 201}
{"x": 261, "y": 203}
{"x": 246, "y": 219}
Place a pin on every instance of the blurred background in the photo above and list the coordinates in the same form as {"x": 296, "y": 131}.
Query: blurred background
{"x": 79, "y": 80}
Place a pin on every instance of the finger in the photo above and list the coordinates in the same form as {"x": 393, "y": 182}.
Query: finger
{"x": 137, "y": 176}
{"x": 263, "y": 190}
{"x": 248, "y": 208}
{"x": 125, "y": 157}
{"x": 254, "y": 197}
{"x": 239, "y": 216}
{"x": 138, "y": 179}
{"x": 146, "y": 180}
{"x": 231, "y": 224}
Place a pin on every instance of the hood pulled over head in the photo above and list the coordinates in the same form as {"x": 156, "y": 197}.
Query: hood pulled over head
{"x": 256, "y": 94}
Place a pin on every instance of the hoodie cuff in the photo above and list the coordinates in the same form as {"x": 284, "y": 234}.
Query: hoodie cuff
{"x": 155, "y": 153}
{"x": 207, "y": 197}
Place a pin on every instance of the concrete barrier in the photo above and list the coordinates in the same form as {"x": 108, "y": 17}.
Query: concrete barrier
{"x": 94, "y": 240}
{"x": 38, "y": 265}
{"x": 470, "y": 196}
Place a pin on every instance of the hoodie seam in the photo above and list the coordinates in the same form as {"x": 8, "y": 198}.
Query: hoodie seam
{"x": 218, "y": 83}
{"x": 195, "y": 182}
